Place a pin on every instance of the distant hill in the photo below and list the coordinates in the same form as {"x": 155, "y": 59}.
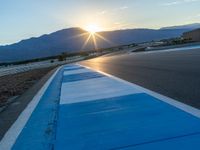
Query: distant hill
{"x": 188, "y": 26}
{"x": 73, "y": 39}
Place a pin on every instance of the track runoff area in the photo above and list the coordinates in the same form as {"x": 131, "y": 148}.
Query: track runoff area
{"x": 80, "y": 108}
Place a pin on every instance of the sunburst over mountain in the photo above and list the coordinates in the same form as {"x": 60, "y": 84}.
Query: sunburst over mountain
{"x": 73, "y": 40}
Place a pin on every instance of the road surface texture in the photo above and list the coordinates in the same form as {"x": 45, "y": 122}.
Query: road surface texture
{"x": 175, "y": 74}
{"x": 81, "y": 109}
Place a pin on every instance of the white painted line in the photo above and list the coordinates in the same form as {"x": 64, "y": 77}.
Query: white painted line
{"x": 12, "y": 134}
{"x": 94, "y": 89}
{"x": 189, "y": 109}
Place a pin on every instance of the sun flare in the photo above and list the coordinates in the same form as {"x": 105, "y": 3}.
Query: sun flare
{"x": 93, "y": 36}
{"x": 93, "y": 28}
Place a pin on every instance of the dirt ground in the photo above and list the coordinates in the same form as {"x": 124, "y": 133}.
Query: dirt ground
{"x": 16, "y": 84}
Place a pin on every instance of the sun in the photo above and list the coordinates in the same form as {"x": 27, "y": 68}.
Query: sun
{"x": 93, "y": 28}
{"x": 93, "y": 35}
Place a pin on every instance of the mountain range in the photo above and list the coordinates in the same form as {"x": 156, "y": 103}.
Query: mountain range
{"x": 77, "y": 39}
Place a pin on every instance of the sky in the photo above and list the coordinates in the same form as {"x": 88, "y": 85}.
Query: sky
{"x": 22, "y": 19}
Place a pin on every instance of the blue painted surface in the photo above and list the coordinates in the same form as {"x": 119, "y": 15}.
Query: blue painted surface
{"x": 39, "y": 132}
{"x": 81, "y": 76}
{"x": 118, "y": 122}
{"x": 136, "y": 121}
{"x": 191, "y": 142}
{"x": 71, "y": 69}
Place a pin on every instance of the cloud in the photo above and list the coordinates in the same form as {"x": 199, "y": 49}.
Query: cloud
{"x": 193, "y": 17}
{"x": 171, "y": 3}
{"x": 189, "y": 1}
{"x": 100, "y": 13}
{"x": 179, "y": 2}
{"x": 124, "y": 7}
{"x": 103, "y": 12}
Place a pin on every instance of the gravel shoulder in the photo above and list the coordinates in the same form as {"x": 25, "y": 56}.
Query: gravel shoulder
{"x": 12, "y": 86}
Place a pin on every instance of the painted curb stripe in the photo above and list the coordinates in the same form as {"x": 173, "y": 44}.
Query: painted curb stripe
{"x": 100, "y": 111}
{"x": 71, "y": 69}
{"x": 92, "y": 115}
{"x": 39, "y": 131}
{"x": 12, "y": 134}
{"x": 81, "y": 76}
{"x": 189, "y": 109}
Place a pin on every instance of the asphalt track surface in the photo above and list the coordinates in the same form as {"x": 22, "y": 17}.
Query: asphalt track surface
{"x": 175, "y": 74}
